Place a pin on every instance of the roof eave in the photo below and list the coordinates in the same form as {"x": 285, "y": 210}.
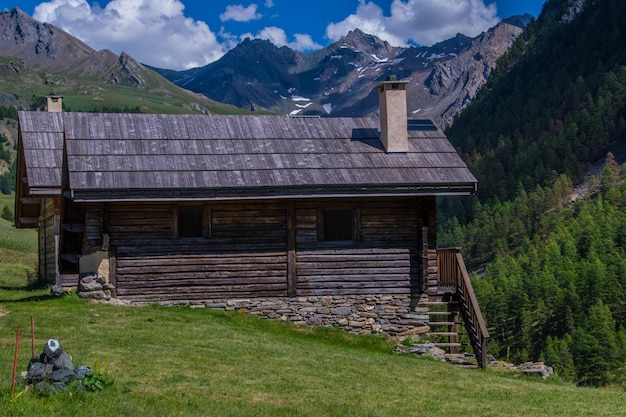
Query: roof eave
{"x": 165, "y": 195}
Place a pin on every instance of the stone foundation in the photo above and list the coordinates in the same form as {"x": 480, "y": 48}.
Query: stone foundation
{"x": 390, "y": 314}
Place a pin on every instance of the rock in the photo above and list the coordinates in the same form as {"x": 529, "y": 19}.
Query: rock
{"x": 64, "y": 361}
{"x": 421, "y": 349}
{"x": 315, "y": 321}
{"x": 57, "y": 290}
{"x": 45, "y": 389}
{"x": 96, "y": 295}
{"x": 51, "y": 351}
{"x": 89, "y": 284}
{"x": 342, "y": 322}
{"x": 62, "y": 375}
{"x": 327, "y": 300}
{"x": 341, "y": 311}
{"x": 36, "y": 372}
{"x": 82, "y": 371}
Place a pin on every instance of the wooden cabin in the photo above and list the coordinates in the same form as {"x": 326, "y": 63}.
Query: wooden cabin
{"x": 199, "y": 208}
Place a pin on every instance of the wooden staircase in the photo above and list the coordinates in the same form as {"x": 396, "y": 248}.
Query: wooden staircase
{"x": 452, "y": 308}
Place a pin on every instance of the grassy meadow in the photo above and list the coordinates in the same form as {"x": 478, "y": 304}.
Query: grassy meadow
{"x": 198, "y": 362}
{"x": 183, "y": 361}
{"x": 18, "y": 250}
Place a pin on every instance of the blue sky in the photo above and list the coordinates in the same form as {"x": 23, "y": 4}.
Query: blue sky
{"x": 180, "y": 34}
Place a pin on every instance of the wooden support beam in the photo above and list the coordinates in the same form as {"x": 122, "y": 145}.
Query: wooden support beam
{"x": 292, "y": 276}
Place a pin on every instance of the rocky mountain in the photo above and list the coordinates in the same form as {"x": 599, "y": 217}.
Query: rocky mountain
{"x": 37, "y": 59}
{"x": 43, "y": 46}
{"x": 339, "y": 80}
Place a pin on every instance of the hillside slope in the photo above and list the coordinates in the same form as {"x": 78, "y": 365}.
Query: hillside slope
{"x": 38, "y": 59}
{"x": 551, "y": 264}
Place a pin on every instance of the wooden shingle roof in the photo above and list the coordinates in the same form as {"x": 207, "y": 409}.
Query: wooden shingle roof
{"x": 41, "y": 141}
{"x": 137, "y": 156}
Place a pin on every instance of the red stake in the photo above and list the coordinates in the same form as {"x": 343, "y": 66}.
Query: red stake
{"x": 17, "y": 345}
{"x": 32, "y": 335}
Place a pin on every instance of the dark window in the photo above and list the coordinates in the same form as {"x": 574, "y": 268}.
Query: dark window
{"x": 190, "y": 221}
{"x": 337, "y": 225}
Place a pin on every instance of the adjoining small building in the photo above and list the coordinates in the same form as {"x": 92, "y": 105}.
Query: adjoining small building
{"x": 321, "y": 220}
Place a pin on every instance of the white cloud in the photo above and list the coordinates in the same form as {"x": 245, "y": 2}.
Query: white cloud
{"x": 155, "y": 32}
{"x": 278, "y": 37}
{"x": 421, "y": 21}
{"x": 238, "y": 13}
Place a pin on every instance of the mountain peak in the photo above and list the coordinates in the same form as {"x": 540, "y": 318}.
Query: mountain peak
{"x": 361, "y": 40}
{"x": 521, "y": 21}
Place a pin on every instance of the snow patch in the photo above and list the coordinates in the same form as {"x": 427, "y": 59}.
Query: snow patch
{"x": 300, "y": 98}
{"x": 328, "y": 107}
{"x": 377, "y": 59}
{"x": 435, "y": 56}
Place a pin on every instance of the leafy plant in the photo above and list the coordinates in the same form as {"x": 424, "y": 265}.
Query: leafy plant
{"x": 94, "y": 382}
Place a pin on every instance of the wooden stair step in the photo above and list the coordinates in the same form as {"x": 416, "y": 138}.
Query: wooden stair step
{"x": 69, "y": 280}
{"x": 437, "y": 303}
{"x": 442, "y": 313}
{"x": 442, "y": 333}
{"x": 448, "y": 344}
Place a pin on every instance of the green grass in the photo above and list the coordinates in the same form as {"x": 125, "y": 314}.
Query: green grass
{"x": 198, "y": 362}
{"x": 18, "y": 251}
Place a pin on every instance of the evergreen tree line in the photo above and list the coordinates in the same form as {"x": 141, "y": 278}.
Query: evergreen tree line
{"x": 552, "y": 271}
{"x": 555, "y": 283}
{"x": 8, "y": 112}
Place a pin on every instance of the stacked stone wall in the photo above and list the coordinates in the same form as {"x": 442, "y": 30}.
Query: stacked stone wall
{"x": 390, "y": 314}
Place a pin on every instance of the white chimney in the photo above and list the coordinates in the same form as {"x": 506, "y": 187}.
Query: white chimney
{"x": 54, "y": 104}
{"x": 393, "y": 115}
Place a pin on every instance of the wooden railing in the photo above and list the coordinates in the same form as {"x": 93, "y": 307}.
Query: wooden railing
{"x": 451, "y": 272}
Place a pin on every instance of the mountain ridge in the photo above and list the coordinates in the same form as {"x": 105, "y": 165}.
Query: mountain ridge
{"x": 339, "y": 80}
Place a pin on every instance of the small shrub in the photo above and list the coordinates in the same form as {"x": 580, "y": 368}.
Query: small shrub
{"x": 7, "y": 214}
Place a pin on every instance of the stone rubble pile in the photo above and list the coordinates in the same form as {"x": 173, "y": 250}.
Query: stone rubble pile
{"x": 431, "y": 351}
{"x": 532, "y": 368}
{"x": 95, "y": 287}
{"x": 53, "y": 369}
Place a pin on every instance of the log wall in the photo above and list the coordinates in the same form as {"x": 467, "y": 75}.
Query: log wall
{"x": 384, "y": 259}
{"x": 243, "y": 256}
{"x": 48, "y": 236}
{"x": 265, "y": 249}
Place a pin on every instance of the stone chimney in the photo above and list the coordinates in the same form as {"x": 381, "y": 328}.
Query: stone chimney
{"x": 393, "y": 115}
{"x": 54, "y": 104}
